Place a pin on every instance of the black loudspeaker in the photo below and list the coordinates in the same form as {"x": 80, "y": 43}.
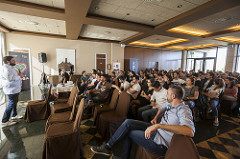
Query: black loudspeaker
{"x": 42, "y": 57}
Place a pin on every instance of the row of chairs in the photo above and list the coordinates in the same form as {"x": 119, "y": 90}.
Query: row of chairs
{"x": 109, "y": 117}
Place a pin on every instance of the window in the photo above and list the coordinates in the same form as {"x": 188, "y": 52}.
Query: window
{"x": 207, "y": 59}
{"x": 221, "y": 59}
{"x": 238, "y": 59}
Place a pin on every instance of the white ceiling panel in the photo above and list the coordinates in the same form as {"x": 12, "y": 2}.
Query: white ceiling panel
{"x": 150, "y": 12}
{"x": 32, "y": 23}
{"x": 50, "y": 3}
{"x": 91, "y": 31}
{"x": 216, "y": 22}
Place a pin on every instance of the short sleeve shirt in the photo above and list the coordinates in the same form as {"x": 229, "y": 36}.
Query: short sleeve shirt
{"x": 178, "y": 115}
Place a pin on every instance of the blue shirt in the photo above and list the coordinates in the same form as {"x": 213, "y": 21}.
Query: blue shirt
{"x": 178, "y": 115}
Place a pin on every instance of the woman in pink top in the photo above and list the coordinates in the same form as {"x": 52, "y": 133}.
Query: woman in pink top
{"x": 231, "y": 91}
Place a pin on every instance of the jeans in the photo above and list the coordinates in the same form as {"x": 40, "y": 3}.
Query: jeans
{"x": 11, "y": 109}
{"x": 146, "y": 112}
{"x": 134, "y": 130}
{"x": 213, "y": 104}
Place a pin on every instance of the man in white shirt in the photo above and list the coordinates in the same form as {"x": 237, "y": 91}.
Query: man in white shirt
{"x": 11, "y": 82}
{"x": 124, "y": 83}
{"x": 177, "y": 80}
{"x": 134, "y": 88}
{"x": 158, "y": 98}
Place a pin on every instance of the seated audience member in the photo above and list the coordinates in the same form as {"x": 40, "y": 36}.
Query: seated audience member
{"x": 154, "y": 137}
{"x": 84, "y": 82}
{"x": 231, "y": 94}
{"x": 117, "y": 73}
{"x": 191, "y": 92}
{"x": 158, "y": 98}
{"x": 160, "y": 79}
{"x": 101, "y": 92}
{"x": 168, "y": 81}
{"x": 230, "y": 91}
{"x": 112, "y": 78}
{"x": 177, "y": 80}
{"x": 213, "y": 97}
{"x": 134, "y": 88}
{"x": 182, "y": 75}
{"x": 207, "y": 82}
{"x": 143, "y": 99}
{"x": 84, "y": 78}
{"x": 65, "y": 76}
{"x": 94, "y": 82}
{"x": 124, "y": 83}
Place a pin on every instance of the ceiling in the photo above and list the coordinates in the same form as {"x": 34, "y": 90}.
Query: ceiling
{"x": 159, "y": 24}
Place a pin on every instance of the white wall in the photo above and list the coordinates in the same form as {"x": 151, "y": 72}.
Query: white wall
{"x": 85, "y": 52}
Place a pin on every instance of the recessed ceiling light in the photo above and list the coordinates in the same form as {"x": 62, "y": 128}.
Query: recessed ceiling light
{"x": 96, "y": 8}
{"x": 223, "y": 19}
{"x": 128, "y": 14}
{"x": 179, "y": 6}
{"x": 28, "y": 22}
{"x": 153, "y": 20}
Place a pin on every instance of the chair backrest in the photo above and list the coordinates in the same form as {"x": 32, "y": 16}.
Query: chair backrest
{"x": 116, "y": 81}
{"x": 182, "y": 146}
{"x": 114, "y": 99}
{"x": 47, "y": 99}
{"x": 123, "y": 104}
{"x": 72, "y": 95}
{"x": 74, "y": 108}
{"x": 78, "y": 118}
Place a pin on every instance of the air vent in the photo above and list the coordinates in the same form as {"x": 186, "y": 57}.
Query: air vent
{"x": 221, "y": 20}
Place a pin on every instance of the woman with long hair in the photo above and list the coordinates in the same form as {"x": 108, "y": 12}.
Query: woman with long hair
{"x": 213, "y": 96}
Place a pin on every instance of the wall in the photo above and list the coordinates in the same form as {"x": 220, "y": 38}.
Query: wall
{"x": 85, "y": 52}
{"x": 167, "y": 59}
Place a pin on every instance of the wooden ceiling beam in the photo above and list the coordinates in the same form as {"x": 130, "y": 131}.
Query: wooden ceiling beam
{"x": 76, "y": 11}
{"x": 207, "y": 9}
{"x": 4, "y": 29}
{"x": 115, "y": 23}
{"x": 32, "y": 9}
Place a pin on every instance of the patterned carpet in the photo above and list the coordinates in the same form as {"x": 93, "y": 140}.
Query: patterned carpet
{"x": 222, "y": 146}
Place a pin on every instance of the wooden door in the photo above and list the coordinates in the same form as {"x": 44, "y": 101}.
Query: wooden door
{"x": 101, "y": 62}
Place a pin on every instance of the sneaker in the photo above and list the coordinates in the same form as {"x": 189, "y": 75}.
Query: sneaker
{"x": 103, "y": 149}
{"x": 8, "y": 123}
{"x": 215, "y": 123}
{"x": 17, "y": 117}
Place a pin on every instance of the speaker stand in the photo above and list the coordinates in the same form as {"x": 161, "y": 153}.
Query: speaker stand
{"x": 43, "y": 79}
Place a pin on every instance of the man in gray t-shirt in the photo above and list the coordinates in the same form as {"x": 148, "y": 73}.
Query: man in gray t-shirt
{"x": 155, "y": 137}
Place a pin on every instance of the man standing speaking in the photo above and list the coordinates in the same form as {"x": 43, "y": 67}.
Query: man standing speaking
{"x": 11, "y": 83}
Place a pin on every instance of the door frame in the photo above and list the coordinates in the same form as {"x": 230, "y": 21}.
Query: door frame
{"x": 105, "y": 61}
